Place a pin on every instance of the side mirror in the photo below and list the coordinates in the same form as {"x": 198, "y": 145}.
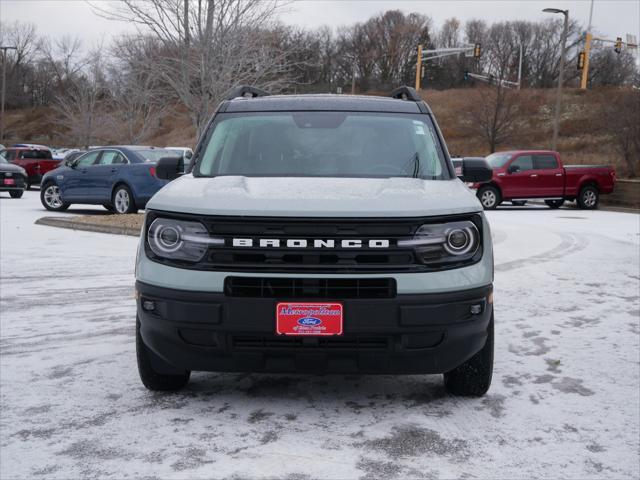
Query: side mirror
{"x": 474, "y": 170}
{"x": 513, "y": 169}
{"x": 170, "y": 168}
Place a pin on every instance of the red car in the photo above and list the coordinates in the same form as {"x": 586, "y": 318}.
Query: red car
{"x": 35, "y": 159}
{"x": 523, "y": 175}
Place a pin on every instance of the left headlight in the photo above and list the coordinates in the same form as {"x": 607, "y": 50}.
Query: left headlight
{"x": 179, "y": 239}
{"x": 441, "y": 243}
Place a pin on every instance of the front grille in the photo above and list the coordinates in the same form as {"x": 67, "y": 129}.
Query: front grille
{"x": 325, "y": 288}
{"x": 367, "y": 258}
{"x": 350, "y": 342}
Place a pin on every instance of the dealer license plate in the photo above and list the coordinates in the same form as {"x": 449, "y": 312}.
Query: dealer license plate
{"x": 293, "y": 318}
{"x": 9, "y": 181}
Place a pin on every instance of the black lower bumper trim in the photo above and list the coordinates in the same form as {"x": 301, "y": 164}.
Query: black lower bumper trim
{"x": 427, "y": 333}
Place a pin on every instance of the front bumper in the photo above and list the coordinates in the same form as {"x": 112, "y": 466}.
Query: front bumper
{"x": 408, "y": 334}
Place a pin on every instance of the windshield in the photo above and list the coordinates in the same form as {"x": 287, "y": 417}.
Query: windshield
{"x": 497, "y": 160}
{"x": 323, "y": 144}
{"x": 153, "y": 155}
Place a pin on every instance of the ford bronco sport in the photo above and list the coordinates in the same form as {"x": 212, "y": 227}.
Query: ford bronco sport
{"x": 320, "y": 234}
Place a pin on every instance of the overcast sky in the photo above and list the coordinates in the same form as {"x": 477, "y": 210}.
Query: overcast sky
{"x": 611, "y": 18}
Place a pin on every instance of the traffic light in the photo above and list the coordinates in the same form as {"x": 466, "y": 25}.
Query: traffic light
{"x": 618, "y": 47}
{"x": 466, "y": 75}
{"x": 477, "y": 51}
{"x": 581, "y": 57}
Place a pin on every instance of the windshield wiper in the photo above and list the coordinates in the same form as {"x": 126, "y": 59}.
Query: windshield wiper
{"x": 416, "y": 165}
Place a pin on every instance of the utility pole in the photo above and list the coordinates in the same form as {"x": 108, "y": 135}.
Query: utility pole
{"x": 520, "y": 68}
{"x": 587, "y": 49}
{"x": 556, "y": 122}
{"x": 419, "y": 68}
{"x": 4, "y": 81}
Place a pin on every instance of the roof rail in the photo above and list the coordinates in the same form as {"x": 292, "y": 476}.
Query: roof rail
{"x": 246, "y": 91}
{"x": 406, "y": 93}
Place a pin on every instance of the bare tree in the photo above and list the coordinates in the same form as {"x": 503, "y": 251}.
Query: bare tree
{"x": 229, "y": 45}
{"x": 621, "y": 120}
{"x": 80, "y": 110}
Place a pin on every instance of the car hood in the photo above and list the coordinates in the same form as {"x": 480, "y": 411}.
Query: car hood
{"x": 315, "y": 197}
{"x": 9, "y": 167}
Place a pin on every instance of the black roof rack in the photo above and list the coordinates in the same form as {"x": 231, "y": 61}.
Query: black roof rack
{"x": 246, "y": 91}
{"x": 406, "y": 93}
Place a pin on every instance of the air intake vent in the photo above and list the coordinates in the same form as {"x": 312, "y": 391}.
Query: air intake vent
{"x": 325, "y": 288}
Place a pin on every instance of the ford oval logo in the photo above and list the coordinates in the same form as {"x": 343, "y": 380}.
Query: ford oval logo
{"x": 309, "y": 322}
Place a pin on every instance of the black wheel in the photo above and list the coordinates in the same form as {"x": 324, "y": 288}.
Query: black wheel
{"x": 588, "y": 198}
{"x": 473, "y": 377}
{"x": 149, "y": 376}
{"x": 518, "y": 203}
{"x": 109, "y": 207}
{"x": 50, "y": 198}
{"x": 16, "y": 193}
{"x": 554, "y": 203}
{"x": 123, "y": 201}
{"x": 489, "y": 197}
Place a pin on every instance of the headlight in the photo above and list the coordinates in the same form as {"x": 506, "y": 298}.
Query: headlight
{"x": 180, "y": 240}
{"x": 445, "y": 242}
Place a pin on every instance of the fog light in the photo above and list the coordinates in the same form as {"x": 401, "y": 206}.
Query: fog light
{"x": 475, "y": 309}
{"x": 148, "y": 305}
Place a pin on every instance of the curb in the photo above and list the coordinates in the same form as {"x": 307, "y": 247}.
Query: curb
{"x": 88, "y": 227}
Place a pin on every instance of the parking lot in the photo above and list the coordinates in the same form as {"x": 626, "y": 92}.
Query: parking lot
{"x": 564, "y": 402}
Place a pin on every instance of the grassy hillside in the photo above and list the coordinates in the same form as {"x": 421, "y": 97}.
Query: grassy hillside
{"x": 581, "y": 141}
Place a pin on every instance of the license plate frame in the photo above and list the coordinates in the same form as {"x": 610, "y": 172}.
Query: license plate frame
{"x": 309, "y": 318}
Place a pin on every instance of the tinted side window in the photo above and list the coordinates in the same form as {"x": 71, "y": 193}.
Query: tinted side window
{"x": 88, "y": 159}
{"x": 546, "y": 162}
{"x": 36, "y": 154}
{"x": 523, "y": 163}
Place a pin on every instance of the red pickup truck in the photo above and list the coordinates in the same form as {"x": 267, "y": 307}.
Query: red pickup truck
{"x": 35, "y": 159}
{"x": 523, "y": 175}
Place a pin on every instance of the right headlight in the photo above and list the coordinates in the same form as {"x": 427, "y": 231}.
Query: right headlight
{"x": 180, "y": 239}
{"x": 442, "y": 243}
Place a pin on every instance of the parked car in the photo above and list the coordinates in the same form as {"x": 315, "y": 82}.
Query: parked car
{"x": 35, "y": 159}
{"x": 523, "y": 175}
{"x": 121, "y": 178}
{"x": 317, "y": 234}
{"x": 12, "y": 178}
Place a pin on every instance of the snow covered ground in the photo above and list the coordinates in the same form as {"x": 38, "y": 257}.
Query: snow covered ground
{"x": 565, "y": 401}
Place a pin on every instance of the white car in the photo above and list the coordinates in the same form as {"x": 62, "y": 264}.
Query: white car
{"x": 317, "y": 234}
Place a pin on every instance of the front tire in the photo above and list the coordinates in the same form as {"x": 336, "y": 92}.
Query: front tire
{"x": 473, "y": 377}
{"x": 50, "y": 198}
{"x": 554, "y": 203}
{"x": 123, "y": 201}
{"x": 150, "y": 377}
{"x": 588, "y": 198}
{"x": 489, "y": 197}
{"x": 16, "y": 193}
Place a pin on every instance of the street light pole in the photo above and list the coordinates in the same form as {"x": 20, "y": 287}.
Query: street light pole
{"x": 556, "y": 122}
{"x": 4, "y": 79}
